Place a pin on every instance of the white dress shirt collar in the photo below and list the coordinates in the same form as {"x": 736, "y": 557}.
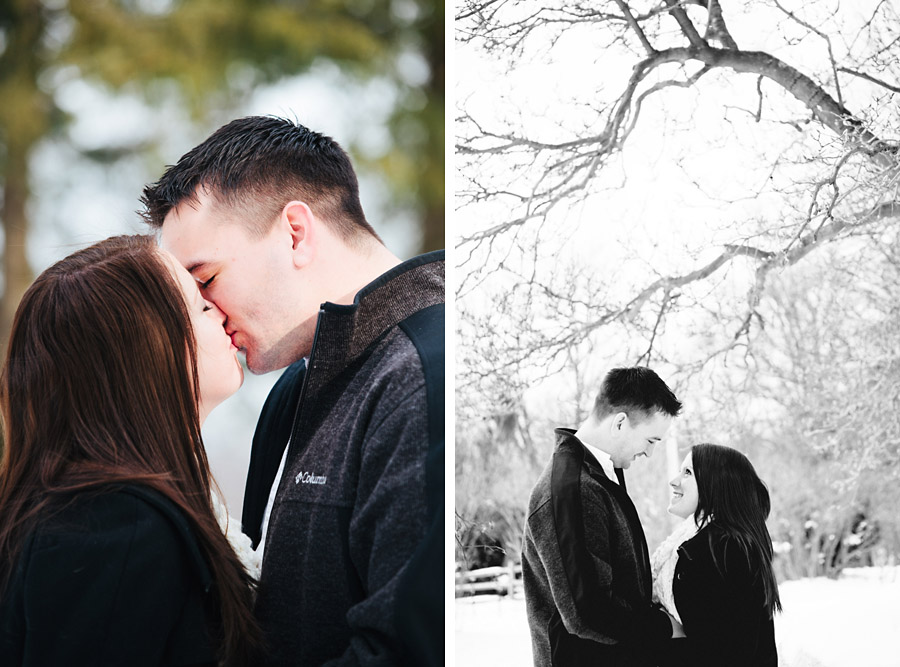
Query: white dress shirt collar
{"x": 604, "y": 460}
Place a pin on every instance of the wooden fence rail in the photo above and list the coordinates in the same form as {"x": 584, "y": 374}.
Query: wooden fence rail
{"x": 500, "y": 580}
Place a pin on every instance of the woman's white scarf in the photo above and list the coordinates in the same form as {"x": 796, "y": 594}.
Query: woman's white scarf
{"x": 663, "y": 561}
{"x": 239, "y": 542}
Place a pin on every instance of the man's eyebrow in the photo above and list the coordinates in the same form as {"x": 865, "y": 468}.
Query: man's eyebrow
{"x": 196, "y": 265}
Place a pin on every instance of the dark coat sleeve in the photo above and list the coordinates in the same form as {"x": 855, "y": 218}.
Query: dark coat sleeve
{"x": 108, "y": 588}
{"x": 420, "y": 597}
{"x": 721, "y": 607}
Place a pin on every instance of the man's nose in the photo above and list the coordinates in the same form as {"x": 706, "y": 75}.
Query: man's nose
{"x": 219, "y": 314}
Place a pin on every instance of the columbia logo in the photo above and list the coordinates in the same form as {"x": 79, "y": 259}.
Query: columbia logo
{"x": 309, "y": 478}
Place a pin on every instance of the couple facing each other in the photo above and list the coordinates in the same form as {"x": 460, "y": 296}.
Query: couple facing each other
{"x": 594, "y": 594}
{"x": 110, "y": 548}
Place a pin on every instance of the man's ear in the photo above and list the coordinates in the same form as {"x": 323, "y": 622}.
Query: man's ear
{"x": 619, "y": 420}
{"x": 297, "y": 217}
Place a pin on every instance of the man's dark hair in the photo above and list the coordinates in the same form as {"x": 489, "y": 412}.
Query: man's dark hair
{"x": 638, "y": 392}
{"x": 253, "y": 166}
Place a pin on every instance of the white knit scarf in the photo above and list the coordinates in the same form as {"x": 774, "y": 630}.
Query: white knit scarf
{"x": 241, "y": 544}
{"x": 663, "y": 561}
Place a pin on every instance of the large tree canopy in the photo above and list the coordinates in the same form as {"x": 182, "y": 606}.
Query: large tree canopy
{"x": 810, "y": 88}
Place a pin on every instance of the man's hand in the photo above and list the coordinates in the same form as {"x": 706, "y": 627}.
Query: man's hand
{"x": 677, "y": 628}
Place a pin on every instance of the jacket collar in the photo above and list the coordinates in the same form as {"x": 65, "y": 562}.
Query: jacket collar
{"x": 344, "y": 332}
{"x": 566, "y": 439}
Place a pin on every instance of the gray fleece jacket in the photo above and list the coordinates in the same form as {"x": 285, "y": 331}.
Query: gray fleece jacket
{"x": 343, "y": 569}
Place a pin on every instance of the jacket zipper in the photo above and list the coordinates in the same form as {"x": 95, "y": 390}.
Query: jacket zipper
{"x": 309, "y": 367}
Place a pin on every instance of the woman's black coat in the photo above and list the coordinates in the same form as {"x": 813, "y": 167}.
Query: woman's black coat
{"x": 112, "y": 579}
{"x": 720, "y": 598}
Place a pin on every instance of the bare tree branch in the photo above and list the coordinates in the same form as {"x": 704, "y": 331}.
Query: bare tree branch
{"x": 716, "y": 28}
{"x": 860, "y": 167}
{"x": 471, "y": 9}
{"x": 824, "y": 108}
{"x": 869, "y": 77}
{"x": 645, "y": 357}
{"x": 814, "y": 30}
{"x": 629, "y": 17}
{"x": 626, "y": 112}
{"x": 685, "y": 24}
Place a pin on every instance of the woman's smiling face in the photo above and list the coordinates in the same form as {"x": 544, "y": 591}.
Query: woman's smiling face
{"x": 685, "y": 495}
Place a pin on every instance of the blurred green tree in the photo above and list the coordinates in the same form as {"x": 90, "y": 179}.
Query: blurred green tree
{"x": 195, "y": 48}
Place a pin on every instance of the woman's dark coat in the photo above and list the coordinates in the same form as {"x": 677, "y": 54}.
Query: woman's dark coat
{"x": 114, "y": 578}
{"x": 719, "y": 595}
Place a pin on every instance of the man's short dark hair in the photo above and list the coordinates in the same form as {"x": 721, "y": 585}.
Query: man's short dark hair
{"x": 638, "y": 392}
{"x": 253, "y": 166}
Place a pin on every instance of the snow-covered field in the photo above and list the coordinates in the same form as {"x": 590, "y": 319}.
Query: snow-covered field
{"x": 853, "y": 621}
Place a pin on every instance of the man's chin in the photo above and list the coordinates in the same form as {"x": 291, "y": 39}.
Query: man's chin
{"x": 253, "y": 362}
{"x": 260, "y": 364}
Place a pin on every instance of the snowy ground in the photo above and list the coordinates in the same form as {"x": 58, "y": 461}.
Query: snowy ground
{"x": 852, "y": 621}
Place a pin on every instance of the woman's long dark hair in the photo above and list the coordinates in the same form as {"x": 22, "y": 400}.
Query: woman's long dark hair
{"x": 733, "y": 497}
{"x": 99, "y": 388}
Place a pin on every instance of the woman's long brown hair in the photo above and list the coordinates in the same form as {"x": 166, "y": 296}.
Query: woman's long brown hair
{"x": 731, "y": 495}
{"x": 100, "y": 388}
